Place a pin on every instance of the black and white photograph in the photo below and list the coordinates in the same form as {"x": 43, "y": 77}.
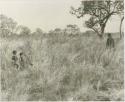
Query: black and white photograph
{"x": 62, "y": 50}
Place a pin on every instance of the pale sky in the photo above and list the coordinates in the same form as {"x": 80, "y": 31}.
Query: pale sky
{"x": 47, "y": 14}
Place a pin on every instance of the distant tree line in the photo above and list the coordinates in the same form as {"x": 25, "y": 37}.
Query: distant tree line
{"x": 71, "y": 29}
{"x": 99, "y": 13}
{"x": 9, "y": 27}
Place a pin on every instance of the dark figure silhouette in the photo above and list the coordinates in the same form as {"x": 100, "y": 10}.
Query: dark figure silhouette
{"x": 24, "y": 61}
{"x": 110, "y": 42}
{"x": 15, "y": 59}
{"x": 21, "y": 61}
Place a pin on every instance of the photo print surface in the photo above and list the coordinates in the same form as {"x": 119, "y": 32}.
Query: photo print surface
{"x": 62, "y": 50}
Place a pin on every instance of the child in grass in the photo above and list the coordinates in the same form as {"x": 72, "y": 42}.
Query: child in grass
{"x": 15, "y": 59}
{"x": 24, "y": 61}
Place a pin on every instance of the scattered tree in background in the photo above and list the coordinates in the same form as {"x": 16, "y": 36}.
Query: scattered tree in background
{"x": 99, "y": 12}
{"x": 38, "y": 31}
{"x": 23, "y": 30}
{"x": 120, "y": 8}
{"x": 57, "y": 30}
{"x": 7, "y": 26}
{"x": 72, "y": 29}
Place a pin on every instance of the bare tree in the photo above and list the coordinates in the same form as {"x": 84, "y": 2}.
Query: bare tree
{"x": 99, "y": 11}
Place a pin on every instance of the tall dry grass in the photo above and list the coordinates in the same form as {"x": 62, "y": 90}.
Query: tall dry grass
{"x": 64, "y": 68}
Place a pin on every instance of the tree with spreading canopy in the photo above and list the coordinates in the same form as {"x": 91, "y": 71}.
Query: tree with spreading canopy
{"x": 99, "y": 11}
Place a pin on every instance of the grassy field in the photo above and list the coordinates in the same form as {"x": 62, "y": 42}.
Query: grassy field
{"x": 64, "y": 68}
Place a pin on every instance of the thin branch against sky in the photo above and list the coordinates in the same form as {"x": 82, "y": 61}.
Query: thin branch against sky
{"x": 47, "y": 14}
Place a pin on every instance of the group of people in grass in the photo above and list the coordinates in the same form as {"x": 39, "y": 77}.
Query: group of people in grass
{"x": 20, "y": 62}
{"x": 23, "y": 61}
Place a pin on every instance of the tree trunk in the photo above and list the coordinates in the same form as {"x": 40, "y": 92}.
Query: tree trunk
{"x": 102, "y": 30}
{"x": 121, "y": 27}
{"x": 102, "y": 26}
{"x": 100, "y": 35}
{"x": 97, "y": 32}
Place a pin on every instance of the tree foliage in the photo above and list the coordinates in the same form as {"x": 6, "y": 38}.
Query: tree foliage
{"x": 7, "y": 26}
{"x": 38, "y": 31}
{"x": 23, "y": 30}
{"x": 72, "y": 29}
{"x": 99, "y": 11}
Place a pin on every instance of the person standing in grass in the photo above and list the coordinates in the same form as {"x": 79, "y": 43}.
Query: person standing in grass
{"x": 15, "y": 59}
{"x": 110, "y": 42}
{"x": 109, "y": 53}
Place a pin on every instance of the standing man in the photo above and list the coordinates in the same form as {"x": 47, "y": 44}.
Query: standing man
{"x": 110, "y": 42}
